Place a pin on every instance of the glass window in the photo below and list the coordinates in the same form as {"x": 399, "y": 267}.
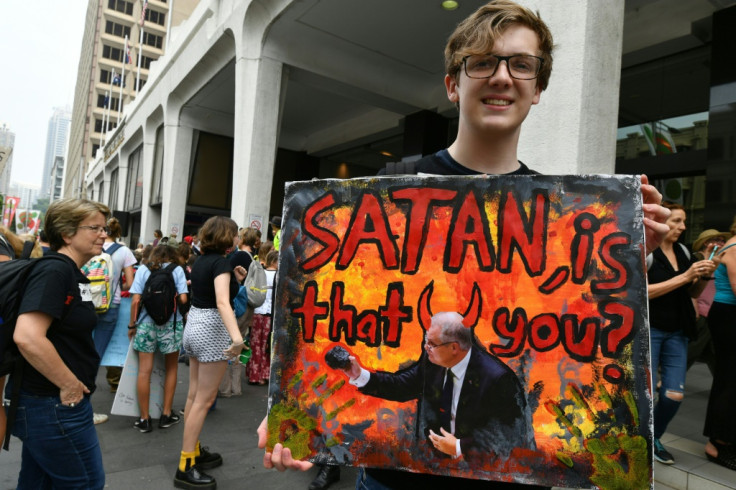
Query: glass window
{"x": 211, "y": 180}
{"x": 134, "y": 194}
{"x": 673, "y": 135}
{"x": 111, "y": 53}
{"x": 158, "y": 167}
{"x": 112, "y": 201}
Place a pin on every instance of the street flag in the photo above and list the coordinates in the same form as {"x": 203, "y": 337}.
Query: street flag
{"x": 116, "y": 80}
{"x": 128, "y": 59}
{"x": 143, "y": 12}
{"x": 107, "y": 99}
{"x": 27, "y": 221}
{"x": 5, "y": 152}
{"x": 11, "y": 204}
{"x": 658, "y": 139}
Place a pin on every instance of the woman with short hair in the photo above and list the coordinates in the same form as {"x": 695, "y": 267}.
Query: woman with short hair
{"x": 211, "y": 338}
{"x": 54, "y": 335}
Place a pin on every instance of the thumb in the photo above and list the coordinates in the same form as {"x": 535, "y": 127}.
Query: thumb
{"x": 85, "y": 389}
{"x": 444, "y": 432}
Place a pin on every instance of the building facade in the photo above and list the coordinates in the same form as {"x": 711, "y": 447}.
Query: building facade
{"x": 7, "y": 143}
{"x": 56, "y": 139}
{"x": 108, "y": 76}
{"x": 56, "y": 178}
{"x": 28, "y": 194}
{"x": 252, "y": 94}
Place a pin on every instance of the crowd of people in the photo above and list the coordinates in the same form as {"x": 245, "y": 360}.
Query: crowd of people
{"x": 498, "y": 63}
{"x": 63, "y": 335}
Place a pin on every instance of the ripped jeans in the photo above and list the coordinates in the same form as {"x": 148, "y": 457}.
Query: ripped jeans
{"x": 669, "y": 354}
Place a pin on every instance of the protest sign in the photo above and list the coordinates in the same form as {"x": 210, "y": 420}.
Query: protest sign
{"x": 126, "y": 397}
{"x": 117, "y": 349}
{"x": 547, "y": 273}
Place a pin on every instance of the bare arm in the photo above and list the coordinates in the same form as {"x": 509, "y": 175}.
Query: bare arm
{"x": 701, "y": 268}
{"x": 728, "y": 258}
{"x": 128, "y": 274}
{"x": 222, "y": 293}
{"x": 134, "y": 307}
{"x": 37, "y": 349}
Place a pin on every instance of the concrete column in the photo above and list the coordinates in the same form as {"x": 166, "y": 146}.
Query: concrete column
{"x": 258, "y": 85}
{"x": 148, "y": 219}
{"x": 573, "y": 128}
{"x": 175, "y": 179}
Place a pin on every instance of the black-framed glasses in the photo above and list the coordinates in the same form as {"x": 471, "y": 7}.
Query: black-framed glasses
{"x": 96, "y": 228}
{"x": 520, "y": 66}
{"x": 430, "y": 347}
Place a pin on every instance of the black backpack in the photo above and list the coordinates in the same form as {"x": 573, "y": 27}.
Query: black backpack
{"x": 14, "y": 275}
{"x": 159, "y": 294}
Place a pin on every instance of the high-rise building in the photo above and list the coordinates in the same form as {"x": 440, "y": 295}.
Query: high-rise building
{"x": 7, "y": 141}
{"x": 28, "y": 194}
{"x": 108, "y": 73}
{"x": 56, "y": 137}
{"x": 56, "y": 180}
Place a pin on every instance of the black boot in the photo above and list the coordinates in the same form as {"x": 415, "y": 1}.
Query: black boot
{"x": 194, "y": 479}
{"x": 327, "y": 476}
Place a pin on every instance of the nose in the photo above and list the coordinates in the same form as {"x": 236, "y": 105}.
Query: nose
{"x": 501, "y": 75}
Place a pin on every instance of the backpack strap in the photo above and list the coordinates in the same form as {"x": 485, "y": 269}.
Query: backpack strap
{"x": 27, "y": 249}
{"x": 113, "y": 248}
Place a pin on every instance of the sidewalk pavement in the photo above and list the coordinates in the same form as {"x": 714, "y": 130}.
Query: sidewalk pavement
{"x": 148, "y": 461}
{"x": 139, "y": 461}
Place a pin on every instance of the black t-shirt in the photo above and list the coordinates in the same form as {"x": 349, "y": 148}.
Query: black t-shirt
{"x": 674, "y": 311}
{"x": 55, "y": 288}
{"x": 441, "y": 163}
{"x": 204, "y": 272}
{"x": 241, "y": 257}
{"x": 5, "y": 247}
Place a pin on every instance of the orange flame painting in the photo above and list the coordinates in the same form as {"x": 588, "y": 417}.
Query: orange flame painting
{"x": 546, "y": 276}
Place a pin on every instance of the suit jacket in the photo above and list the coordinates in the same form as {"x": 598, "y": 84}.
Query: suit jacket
{"x": 492, "y": 416}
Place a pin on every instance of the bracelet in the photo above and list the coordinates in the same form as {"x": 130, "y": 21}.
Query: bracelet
{"x": 242, "y": 342}
{"x": 132, "y": 327}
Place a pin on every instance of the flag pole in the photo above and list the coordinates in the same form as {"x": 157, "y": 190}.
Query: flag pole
{"x": 105, "y": 115}
{"x": 112, "y": 95}
{"x": 140, "y": 48}
{"x": 122, "y": 79}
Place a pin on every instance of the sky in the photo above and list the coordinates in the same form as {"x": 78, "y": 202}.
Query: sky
{"x": 40, "y": 42}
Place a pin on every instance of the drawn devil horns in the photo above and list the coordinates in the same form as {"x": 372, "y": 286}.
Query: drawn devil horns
{"x": 470, "y": 317}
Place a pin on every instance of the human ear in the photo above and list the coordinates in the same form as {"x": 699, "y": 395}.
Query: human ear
{"x": 451, "y": 86}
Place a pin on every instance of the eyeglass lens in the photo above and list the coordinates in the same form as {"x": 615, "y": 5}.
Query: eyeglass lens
{"x": 520, "y": 66}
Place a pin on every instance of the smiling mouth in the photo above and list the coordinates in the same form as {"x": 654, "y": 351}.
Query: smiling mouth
{"x": 496, "y": 101}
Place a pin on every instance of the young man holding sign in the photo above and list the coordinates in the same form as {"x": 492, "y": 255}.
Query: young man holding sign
{"x": 498, "y": 61}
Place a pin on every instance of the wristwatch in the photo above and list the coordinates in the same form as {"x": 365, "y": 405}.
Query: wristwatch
{"x": 131, "y": 327}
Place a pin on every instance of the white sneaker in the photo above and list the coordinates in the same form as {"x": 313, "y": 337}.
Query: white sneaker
{"x": 99, "y": 418}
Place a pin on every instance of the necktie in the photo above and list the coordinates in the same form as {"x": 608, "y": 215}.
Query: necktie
{"x": 446, "y": 401}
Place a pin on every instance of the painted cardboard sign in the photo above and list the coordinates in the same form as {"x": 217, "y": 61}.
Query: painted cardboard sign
{"x": 545, "y": 272}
